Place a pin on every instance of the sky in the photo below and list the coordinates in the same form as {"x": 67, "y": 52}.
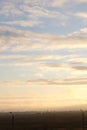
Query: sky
{"x": 43, "y": 55}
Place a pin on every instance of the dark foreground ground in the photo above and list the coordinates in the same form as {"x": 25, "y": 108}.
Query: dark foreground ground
{"x": 43, "y": 120}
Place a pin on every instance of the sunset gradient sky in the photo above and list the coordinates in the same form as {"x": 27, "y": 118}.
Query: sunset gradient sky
{"x": 43, "y": 55}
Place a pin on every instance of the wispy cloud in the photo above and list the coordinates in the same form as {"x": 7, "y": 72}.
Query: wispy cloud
{"x": 57, "y": 3}
{"x": 52, "y": 3}
{"x": 40, "y": 12}
{"x": 28, "y": 83}
{"x": 27, "y": 23}
{"x": 80, "y": 68}
{"x": 9, "y": 9}
{"x": 18, "y": 40}
{"x": 82, "y": 15}
{"x": 82, "y": 1}
{"x": 38, "y": 9}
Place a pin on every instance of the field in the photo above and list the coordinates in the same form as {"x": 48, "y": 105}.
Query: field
{"x": 43, "y": 120}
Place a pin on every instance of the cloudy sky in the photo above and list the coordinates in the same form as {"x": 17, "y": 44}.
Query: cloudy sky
{"x": 43, "y": 55}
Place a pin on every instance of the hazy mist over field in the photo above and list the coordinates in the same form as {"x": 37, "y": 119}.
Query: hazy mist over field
{"x": 43, "y": 55}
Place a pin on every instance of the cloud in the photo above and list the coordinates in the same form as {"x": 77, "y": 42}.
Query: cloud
{"x": 31, "y": 9}
{"x": 6, "y": 31}
{"x": 9, "y": 8}
{"x": 27, "y": 23}
{"x": 83, "y": 30}
{"x": 50, "y": 63}
{"x": 57, "y": 3}
{"x": 28, "y": 83}
{"x": 80, "y": 68}
{"x": 52, "y": 3}
{"x": 37, "y": 11}
{"x": 82, "y": 15}
{"x": 54, "y": 66}
{"x": 81, "y": 1}
{"x": 27, "y": 60}
{"x": 9, "y": 57}
{"x": 81, "y": 34}
{"x": 19, "y": 40}
{"x": 77, "y": 60}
